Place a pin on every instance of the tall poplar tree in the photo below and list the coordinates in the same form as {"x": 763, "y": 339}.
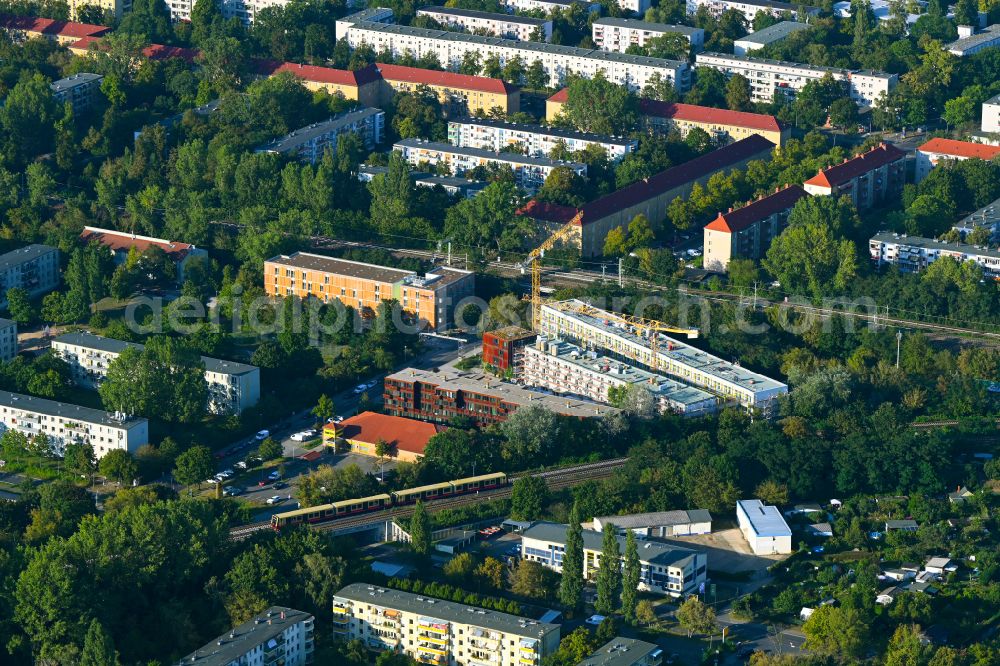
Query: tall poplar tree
{"x": 609, "y": 572}
{"x": 571, "y": 588}
{"x": 630, "y": 577}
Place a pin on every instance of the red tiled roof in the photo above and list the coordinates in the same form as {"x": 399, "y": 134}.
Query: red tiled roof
{"x": 560, "y": 96}
{"x": 673, "y": 177}
{"x": 433, "y": 77}
{"x": 120, "y": 241}
{"x": 161, "y": 52}
{"x": 847, "y": 170}
{"x": 964, "y": 149}
{"x": 755, "y": 211}
{"x": 341, "y": 77}
{"x": 50, "y": 27}
{"x": 403, "y": 433}
{"x": 547, "y": 212}
{"x": 84, "y": 44}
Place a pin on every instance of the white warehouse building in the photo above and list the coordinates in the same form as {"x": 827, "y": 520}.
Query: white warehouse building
{"x": 538, "y": 140}
{"x": 660, "y": 524}
{"x": 764, "y": 528}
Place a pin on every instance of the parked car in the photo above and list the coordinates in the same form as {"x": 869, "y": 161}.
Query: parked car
{"x": 371, "y": 383}
{"x": 303, "y": 436}
{"x": 231, "y": 491}
{"x": 594, "y": 620}
{"x": 360, "y": 388}
{"x": 278, "y": 485}
{"x": 262, "y": 435}
{"x": 241, "y": 465}
{"x": 275, "y": 499}
{"x": 213, "y": 481}
{"x": 274, "y": 476}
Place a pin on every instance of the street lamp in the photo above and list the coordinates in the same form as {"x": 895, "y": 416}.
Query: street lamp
{"x": 899, "y": 339}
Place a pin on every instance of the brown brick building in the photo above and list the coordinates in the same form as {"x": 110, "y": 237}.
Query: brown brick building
{"x": 502, "y": 346}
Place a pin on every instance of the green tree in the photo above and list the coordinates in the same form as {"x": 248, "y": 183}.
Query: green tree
{"x": 615, "y": 243}
{"x": 270, "y": 449}
{"x": 206, "y": 17}
{"x": 645, "y": 614}
{"x": 118, "y": 464}
{"x": 609, "y": 572}
{"x": 324, "y": 409}
{"x": 28, "y": 116}
{"x": 807, "y": 258}
{"x": 79, "y": 458}
{"x": 528, "y": 498}
{"x": 536, "y": 77}
{"x": 420, "y": 530}
{"x": 491, "y": 573}
{"x": 844, "y": 113}
{"x": 835, "y": 631}
{"x": 571, "y": 585}
{"x": 19, "y": 306}
{"x": 98, "y": 647}
{"x": 530, "y": 434}
{"x": 194, "y": 465}
{"x": 630, "y": 577}
{"x": 738, "y": 93}
{"x": 391, "y": 194}
{"x": 597, "y": 105}
{"x": 531, "y": 579}
{"x": 967, "y": 13}
{"x": 460, "y": 568}
{"x": 696, "y": 617}
{"x": 772, "y": 492}
{"x": 905, "y": 647}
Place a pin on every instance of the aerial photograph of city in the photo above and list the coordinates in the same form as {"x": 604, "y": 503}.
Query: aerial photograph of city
{"x": 499, "y": 333}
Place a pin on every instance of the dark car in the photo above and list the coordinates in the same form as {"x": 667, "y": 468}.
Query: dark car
{"x": 278, "y": 485}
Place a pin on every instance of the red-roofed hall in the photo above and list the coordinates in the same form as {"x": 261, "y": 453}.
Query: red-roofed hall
{"x": 407, "y": 438}
{"x": 747, "y": 232}
{"x": 867, "y": 179}
{"x": 120, "y": 242}
{"x": 936, "y": 151}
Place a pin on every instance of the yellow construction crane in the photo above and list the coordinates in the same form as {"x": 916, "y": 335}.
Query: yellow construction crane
{"x": 534, "y": 258}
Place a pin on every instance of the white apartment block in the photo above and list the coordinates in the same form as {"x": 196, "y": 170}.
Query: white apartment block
{"x": 77, "y": 89}
{"x": 434, "y": 631}
{"x": 34, "y": 268}
{"x": 278, "y": 635}
{"x": 750, "y": 9}
{"x": 912, "y": 254}
{"x": 769, "y": 35}
{"x": 991, "y": 116}
{"x": 8, "y": 340}
{"x": 764, "y": 528}
{"x": 529, "y": 172}
{"x": 939, "y": 151}
{"x": 567, "y": 369}
{"x": 559, "y": 62}
{"x": 66, "y": 424}
{"x": 617, "y": 34}
{"x": 974, "y": 43}
{"x": 546, "y": 6}
{"x": 987, "y": 217}
{"x": 594, "y": 328}
{"x": 539, "y": 141}
{"x": 307, "y": 144}
{"x": 232, "y": 387}
{"x": 244, "y": 10}
{"x": 774, "y": 77}
{"x": 507, "y": 26}
{"x": 665, "y": 568}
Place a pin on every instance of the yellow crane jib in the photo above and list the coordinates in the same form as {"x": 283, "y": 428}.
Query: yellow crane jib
{"x": 534, "y": 258}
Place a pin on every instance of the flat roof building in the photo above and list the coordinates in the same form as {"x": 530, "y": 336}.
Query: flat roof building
{"x": 507, "y": 26}
{"x": 435, "y": 631}
{"x": 307, "y": 144}
{"x": 503, "y": 349}
{"x": 665, "y": 568}
{"x": 120, "y": 242}
{"x": 232, "y": 387}
{"x": 65, "y": 424}
{"x": 938, "y": 151}
{"x": 546, "y": 6}
{"x": 764, "y": 528}
{"x": 912, "y": 254}
{"x": 749, "y": 8}
{"x": 77, "y": 89}
{"x": 769, "y": 35}
{"x": 974, "y": 43}
{"x": 8, "y": 339}
{"x": 987, "y": 217}
{"x": 278, "y": 635}
{"x": 428, "y": 300}
{"x": 34, "y": 268}
{"x": 621, "y": 651}
{"x": 407, "y": 438}
{"x": 869, "y": 179}
{"x": 590, "y": 326}
{"x": 617, "y": 34}
{"x": 568, "y": 369}
{"x": 990, "y": 123}
{"x": 537, "y": 140}
{"x": 529, "y": 172}
{"x": 440, "y": 396}
{"x": 660, "y": 524}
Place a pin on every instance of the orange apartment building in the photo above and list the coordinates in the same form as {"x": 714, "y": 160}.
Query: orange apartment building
{"x": 61, "y": 32}
{"x": 428, "y": 300}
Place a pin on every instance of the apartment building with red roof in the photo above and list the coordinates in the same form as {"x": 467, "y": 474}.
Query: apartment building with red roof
{"x": 363, "y": 85}
{"x": 81, "y": 47}
{"x": 406, "y": 438}
{"x": 868, "y": 179}
{"x": 747, "y": 232}
{"x": 63, "y": 32}
{"x": 721, "y": 124}
{"x": 937, "y": 151}
{"x": 121, "y": 242}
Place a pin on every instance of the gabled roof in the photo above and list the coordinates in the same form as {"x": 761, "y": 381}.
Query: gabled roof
{"x": 960, "y": 149}
{"x": 673, "y": 177}
{"x": 402, "y": 433}
{"x": 838, "y": 174}
{"x": 547, "y": 212}
{"x": 343, "y": 77}
{"x": 761, "y": 209}
{"x": 120, "y": 241}
{"x": 50, "y": 27}
{"x": 161, "y": 52}
{"x": 432, "y": 77}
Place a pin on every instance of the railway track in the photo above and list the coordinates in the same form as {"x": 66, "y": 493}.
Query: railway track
{"x": 555, "y": 479}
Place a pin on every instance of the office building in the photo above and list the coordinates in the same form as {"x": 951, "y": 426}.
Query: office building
{"x": 65, "y": 424}
{"x": 943, "y": 151}
{"x": 406, "y": 438}
{"x": 434, "y": 631}
{"x": 868, "y": 179}
{"x": 974, "y": 42}
{"x": 529, "y": 172}
{"x": 503, "y": 349}
{"x": 987, "y": 217}
{"x": 665, "y": 568}
{"x": 769, "y": 35}
{"x": 567, "y": 369}
{"x": 307, "y": 144}
{"x": 747, "y": 232}
{"x": 661, "y": 524}
{"x": 276, "y": 636}
{"x": 8, "y": 340}
{"x": 621, "y": 651}
{"x": 617, "y": 34}
{"x": 764, "y": 528}
{"x": 592, "y": 327}
{"x": 440, "y": 396}
{"x": 912, "y": 254}
{"x": 750, "y": 8}
{"x": 77, "y": 89}
{"x": 722, "y": 125}
{"x": 507, "y": 26}
{"x": 775, "y": 77}
{"x": 991, "y": 116}
{"x": 559, "y": 62}
{"x": 232, "y": 387}
{"x": 120, "y": 243}
{"x": 538, "y": 140}
{"x": 21, "y": 28}
{"x": 34, "y": 268}
{"x": 428, "y": 301}
{"x": 651, "y": 196}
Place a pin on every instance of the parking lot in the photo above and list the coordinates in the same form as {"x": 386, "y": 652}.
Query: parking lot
{"x": 728, "y": 552}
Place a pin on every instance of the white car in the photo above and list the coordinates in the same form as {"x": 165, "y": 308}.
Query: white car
{"x": 336, "y": 419}
{"x": 595, "y": 620}
{"x": 275, "y": 499}
{"x": 262, "y": 435}
{"x": 303, "y": 436}
{"x": 213, "y": 480}
{"x": 241, "y": 465}
{"x": 360, "y": 388}
{"x": 371, "y": 384}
